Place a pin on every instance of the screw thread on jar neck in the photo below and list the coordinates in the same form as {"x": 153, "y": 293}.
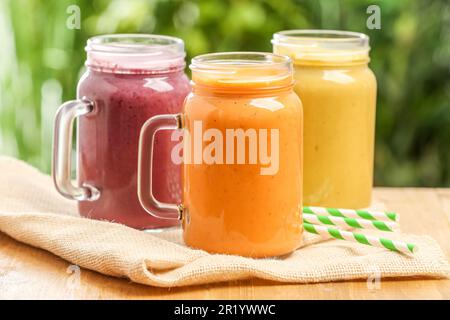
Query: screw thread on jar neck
{"x": 135, "y": 54}
{"x": 243, "y": 72}
{"x": 323, "y": 47}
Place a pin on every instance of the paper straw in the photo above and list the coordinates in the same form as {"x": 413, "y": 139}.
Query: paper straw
{"x": 350, "y": 213}
{"x": 393, "y": 245}
{"x": 350, "y": 222}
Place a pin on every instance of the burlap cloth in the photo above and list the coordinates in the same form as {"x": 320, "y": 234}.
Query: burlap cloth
{"x": 31, "y": 211}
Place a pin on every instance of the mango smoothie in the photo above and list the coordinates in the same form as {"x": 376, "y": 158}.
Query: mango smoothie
{"x": 338, "y": 92}
{"x": 245, "y": 196}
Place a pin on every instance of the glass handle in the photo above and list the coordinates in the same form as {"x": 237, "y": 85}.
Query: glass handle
{"x": 145, "y": 166}
{"x": 62, "y": 151}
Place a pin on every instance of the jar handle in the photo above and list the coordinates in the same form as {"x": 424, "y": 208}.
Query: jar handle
{"x": 145, "y": 166}
{"x": 62, "y": 151}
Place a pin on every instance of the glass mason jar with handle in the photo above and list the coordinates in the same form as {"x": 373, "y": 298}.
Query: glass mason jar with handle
{"x": 242, "y": 157}
{"x": 129, "y": 79}
{"x": 338, "y": 91}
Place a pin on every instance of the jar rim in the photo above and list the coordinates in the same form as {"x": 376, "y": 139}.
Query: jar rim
{"x": 323, "y": 47}
{"x": 242, "y": 72}
{"x": 236, "y": 59}
{"x": 133, "y": 43}
{"x": 338, "y": 37}
{"x": 135, "y": 53}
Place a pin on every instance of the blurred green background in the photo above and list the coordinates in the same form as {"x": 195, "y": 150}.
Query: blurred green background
{"x": 41, "y": 62}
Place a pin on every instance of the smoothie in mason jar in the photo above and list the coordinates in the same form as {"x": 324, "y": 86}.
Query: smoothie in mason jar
{"x": 247, "y": 205}
{"x": 338, "y": 92}
{"x": 129, "y": 79}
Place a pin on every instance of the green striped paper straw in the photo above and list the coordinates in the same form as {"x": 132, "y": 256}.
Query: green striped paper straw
{"x": 350, "y": 213}
{"x": 393, "y": 245}
{"x": 350, "y": 222}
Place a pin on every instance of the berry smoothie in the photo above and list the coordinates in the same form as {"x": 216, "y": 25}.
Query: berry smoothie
{"x": 129, "y": 78}
{"x": 108, "y": 143}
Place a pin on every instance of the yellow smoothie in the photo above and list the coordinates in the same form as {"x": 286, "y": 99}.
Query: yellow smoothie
{"x": 338, "y": 92}
{"x": 240, "y": 208}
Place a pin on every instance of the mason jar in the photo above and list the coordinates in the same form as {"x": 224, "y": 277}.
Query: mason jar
{"x": 242, "y": 156}
{"x": 129, "y": 79}
{"x": 338, "y": 91}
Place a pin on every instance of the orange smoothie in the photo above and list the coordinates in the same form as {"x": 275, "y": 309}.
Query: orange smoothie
{"x": 243, "y": 199}
{"x": 338, "y": 92}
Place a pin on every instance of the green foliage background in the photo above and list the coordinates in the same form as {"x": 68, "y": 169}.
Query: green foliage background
{"x": 41, "y": 61}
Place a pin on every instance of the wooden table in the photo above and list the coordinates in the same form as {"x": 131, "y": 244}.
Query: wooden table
{"x": 26, "y": 272}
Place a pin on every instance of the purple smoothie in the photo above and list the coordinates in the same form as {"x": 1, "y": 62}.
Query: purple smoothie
{"x": 126, "y": 92}
{"x": 108, "y": 143}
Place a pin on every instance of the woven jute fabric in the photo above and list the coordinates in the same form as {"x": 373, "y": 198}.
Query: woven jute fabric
{"x": 31, "y": 211}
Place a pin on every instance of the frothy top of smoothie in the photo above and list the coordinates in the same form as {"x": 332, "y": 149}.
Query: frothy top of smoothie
{"x": 135, "y": 53}
{"x": 322, "y": 47}
{"x": 242, "y": 71}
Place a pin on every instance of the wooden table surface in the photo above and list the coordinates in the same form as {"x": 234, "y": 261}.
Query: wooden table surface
{"x": 30, "y": 273}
